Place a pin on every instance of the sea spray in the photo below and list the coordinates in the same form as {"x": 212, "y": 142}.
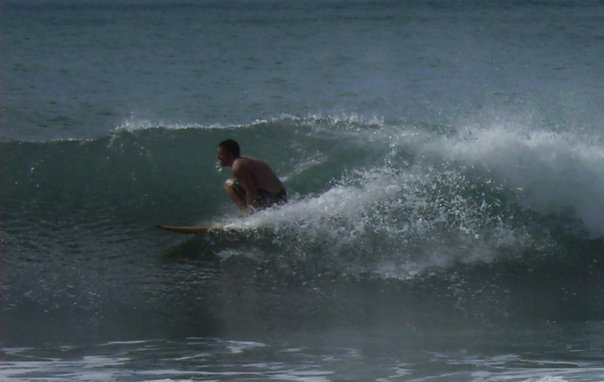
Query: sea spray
{"x": 551, "y": 172}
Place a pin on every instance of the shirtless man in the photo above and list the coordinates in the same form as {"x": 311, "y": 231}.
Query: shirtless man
{"x": 255, "y": 185}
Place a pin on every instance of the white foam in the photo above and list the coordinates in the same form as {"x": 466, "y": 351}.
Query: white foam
{"x": 303, "y": 166}
{"x": 237, "y": 347}
{"x": 131, "y": 125}
{"x": 552, "y": 172}
{"x": 309, "y": 376}
{"x": 397, "y": 217}
{"x": 112, "y": 343}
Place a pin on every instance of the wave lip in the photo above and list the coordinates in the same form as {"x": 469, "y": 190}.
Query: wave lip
{"x": 551, "y": 172}
{"x": 132, "y": 125}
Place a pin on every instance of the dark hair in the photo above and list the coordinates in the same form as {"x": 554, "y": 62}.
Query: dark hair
{"x": 231, "y": 146}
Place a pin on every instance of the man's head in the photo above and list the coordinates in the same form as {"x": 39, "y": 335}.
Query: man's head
{"x": 228, "y": 151}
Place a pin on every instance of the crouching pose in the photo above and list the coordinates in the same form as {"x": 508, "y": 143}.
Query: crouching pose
{"x": 255, "y": 185}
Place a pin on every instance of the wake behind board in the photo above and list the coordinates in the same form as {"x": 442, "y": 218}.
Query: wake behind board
{"x": 196, "y": 229}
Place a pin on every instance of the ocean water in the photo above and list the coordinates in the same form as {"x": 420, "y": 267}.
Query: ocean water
{"x": 444, "y": 161}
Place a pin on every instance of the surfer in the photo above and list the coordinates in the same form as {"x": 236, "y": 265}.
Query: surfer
{"x": 255, "y": 185}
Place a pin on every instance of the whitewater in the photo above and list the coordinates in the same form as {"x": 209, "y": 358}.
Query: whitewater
{"x": 444, "y": 163}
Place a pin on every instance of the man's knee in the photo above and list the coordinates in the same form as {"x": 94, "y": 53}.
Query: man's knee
{"x": 229, "y": 185}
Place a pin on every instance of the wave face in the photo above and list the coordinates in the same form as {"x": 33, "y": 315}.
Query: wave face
{"x": 503, "y": 217}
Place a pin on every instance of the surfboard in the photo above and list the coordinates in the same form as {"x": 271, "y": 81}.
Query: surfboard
{"x": 196, "y": 229}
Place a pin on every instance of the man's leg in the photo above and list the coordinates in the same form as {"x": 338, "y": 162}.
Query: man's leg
{"x": 235, "y": 193}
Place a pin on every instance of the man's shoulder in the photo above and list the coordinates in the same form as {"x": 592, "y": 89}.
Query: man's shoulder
{"x": 246, "y": 161}
{"x": 242, "y": 164}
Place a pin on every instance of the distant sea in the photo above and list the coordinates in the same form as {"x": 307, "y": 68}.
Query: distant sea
{"x": 444, "y": 162}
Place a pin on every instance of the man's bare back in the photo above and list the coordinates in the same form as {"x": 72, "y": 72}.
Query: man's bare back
{"x": 257, "y": 173}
